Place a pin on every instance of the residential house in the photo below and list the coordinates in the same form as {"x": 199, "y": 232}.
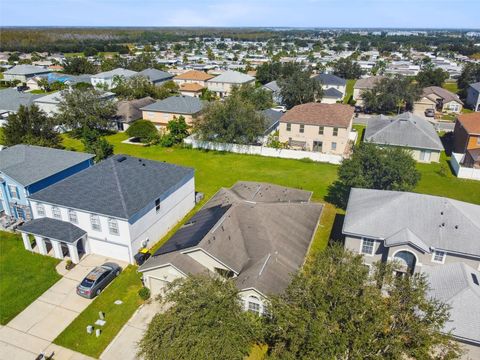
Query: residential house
{"x": 106, "y": 80}
{"x": 69, "y": 80}
{"x": 272, "y": 120}
{"x": 129, "y": 110}
{"x": 466, "y": 135}
{"x": 317, "y": 127}
{"x": 162, "y": 111}
{"x": 362, "y": 85}
{"x": 193, "y": 76}
{"x": 473, "y": 96}
{"x": 157, "y": 77}
{"x": 423, "y": 233}
{"x": 273, "y": 87}
{"x": 330, "y": 81}
{"x": 10, "y": 101}
{"x": 113, "y": 208}
{"x": 255, "y": 233}
{"x": 49, "y": 103}
{"x": 223, "y": 84}
{"x": 439, "y": 99}
{"x": 23, "y": 72}
{"x": 191, "y": 89}
{"x": 407, "y": 131}
{"x": 471, "y": 159}
{"x": 27, "y": 169}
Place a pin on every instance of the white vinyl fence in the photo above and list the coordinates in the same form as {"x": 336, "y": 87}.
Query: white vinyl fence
{"x": 462, "y": 171}
{"x": 264, "y": 151}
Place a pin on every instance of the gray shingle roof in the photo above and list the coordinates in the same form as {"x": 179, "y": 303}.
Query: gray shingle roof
{"x": 115, "y": 72}
{"x": 273, "y": 118}
{"x": 11, "y": 99}
{"x": 155, "y": 75}
{"x": 28, "y": 164}
{"x": 56, "y": 97}
{"x": 330, "y": 79}
{"x": 263, "y": 236}
{"x": 406, "y": 130}
{"x": 119, "y": 186}
{"x": 188, "y": 105}
{"x": 26, "y": 70}
{"x": 476, "y": 86}
{"x": 53, "y": 229}
{"x": 232, "y": 77}
{"x": 437, "y": 222}
{"x": 272, "y": 86}
{"x": 332, "y": 93}
{"x": 454, "y": 284}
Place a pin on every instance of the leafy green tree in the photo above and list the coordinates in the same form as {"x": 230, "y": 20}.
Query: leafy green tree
{"x": 144, "y": 130}
{"x": 78, "y": 65}
{"x": 430, "y": 76}
{"x": 299, "y": 88}
{"x": 207, "y": 95}
{"x": 90, "y": 51}
{"x": 392, "y": 95}
{"x": 268, "y": 71}
{"x": 232, "y": 121}
{"x": 204, "y": 322}
{"x": 260, "y": 98}
{"x": 165, "y": 90}
{"x": 470, "y": 74}
{"x": 334, "y": 309}
{"x": 177, "y": 129}
{"x": 135, "y": 87}
{"x": 94, "y": 143}
{"x": 13, "y": 57}
{"x": 30, "y": 125}
{"x": 43, "y": 84}
{"x": 346, "y": 68}
{"x": 81, "y": 108}
{"x": 373, "y": 167}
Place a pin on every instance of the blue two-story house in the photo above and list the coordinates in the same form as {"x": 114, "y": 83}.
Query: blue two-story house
{"x": 26, "y": 169}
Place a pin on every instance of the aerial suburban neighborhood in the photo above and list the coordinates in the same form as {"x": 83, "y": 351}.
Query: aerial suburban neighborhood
{"x": 239, "y": 186}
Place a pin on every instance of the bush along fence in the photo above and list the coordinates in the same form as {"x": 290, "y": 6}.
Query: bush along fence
{"x": 263, "y": 151}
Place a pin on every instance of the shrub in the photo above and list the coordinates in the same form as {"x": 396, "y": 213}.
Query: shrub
{"x": 167, "y": 140}
{"x": 144, "y": 293}
{"x": 143, "y": 130}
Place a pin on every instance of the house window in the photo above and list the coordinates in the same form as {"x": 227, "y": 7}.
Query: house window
{"x": 56, "y": 212}
{"x": 113, "y": 226}
{"x": 335, "y": 131}
{"x": 40, "y": 210}
{"x": 72, "y": 216}
{"x": 302, "y": 128}
{"x": 289, "y": 127}
{"x": 95, "y": 222}
{"x": 157, "y": 205}
{"x": 253, "y": 305}
{"x": 438, "y": 256}
{"x": 334, "y": 146}
{"x": 13, "y": 191}
{"x": 321, "y": 129}
{"x": 368, "y": 246}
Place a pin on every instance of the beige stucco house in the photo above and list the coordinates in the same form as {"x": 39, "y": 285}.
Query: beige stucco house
{"x": 193, "y": 77}
{"x": 223, "y": 84}
{"x": 362, "y": 85}
{"x": 439, "y": 99}
{"x": 317, "y": 127}
{"x": 162, "y": 111}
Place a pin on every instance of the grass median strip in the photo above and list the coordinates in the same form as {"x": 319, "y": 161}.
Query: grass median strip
{"x": 125, "y": 288}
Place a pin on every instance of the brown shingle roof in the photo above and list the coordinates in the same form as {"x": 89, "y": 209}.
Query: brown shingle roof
{"x": 338, "y": 115}
{"x": 446, "y": 95}
{"x": 193, "y": 87}
{"x": 194, "y": 75}
{"x": 471, "y": 122}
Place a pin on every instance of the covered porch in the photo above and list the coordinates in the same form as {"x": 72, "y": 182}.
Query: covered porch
{"x": 51, "y": 235}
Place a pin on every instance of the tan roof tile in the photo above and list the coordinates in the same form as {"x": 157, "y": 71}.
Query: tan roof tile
{"x": 338, "y": 115}
{"x": 471, "y": 122}
{"x": 194, "y": 75}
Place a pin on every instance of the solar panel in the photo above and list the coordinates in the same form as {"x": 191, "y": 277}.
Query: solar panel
{"x": 194, "y": 230}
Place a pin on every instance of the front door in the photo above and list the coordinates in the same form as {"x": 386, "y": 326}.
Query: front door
{"x": 317, "y": 146}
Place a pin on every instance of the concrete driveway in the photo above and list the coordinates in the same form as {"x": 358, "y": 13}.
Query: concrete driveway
{"x": 124, "y": 346}
{"x": 32, "y": 331}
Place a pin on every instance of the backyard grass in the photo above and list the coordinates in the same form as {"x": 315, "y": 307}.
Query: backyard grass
{"x": 451, "y": 86}
{"x": 124, "y": 288}
{"x": 360, "y": 129}
{"x": 24, "y": 276}
{"x": 349, "y": 91}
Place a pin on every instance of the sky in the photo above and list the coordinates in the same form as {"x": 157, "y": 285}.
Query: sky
{"x": 238, "y": 13}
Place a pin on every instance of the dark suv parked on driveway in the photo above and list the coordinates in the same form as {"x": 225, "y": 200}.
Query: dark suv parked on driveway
{"x": 97, "y": 279}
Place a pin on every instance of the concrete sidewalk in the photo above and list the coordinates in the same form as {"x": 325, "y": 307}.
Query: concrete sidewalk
{"x": 124, "y": 346}
{"x": 33, "y": 330}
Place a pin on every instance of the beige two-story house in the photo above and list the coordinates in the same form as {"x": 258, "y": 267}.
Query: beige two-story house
{"x": 223, "y": 84}
{"x": 317, "y": 127}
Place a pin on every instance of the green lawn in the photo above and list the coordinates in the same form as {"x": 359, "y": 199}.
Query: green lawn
{"x": 360, "y": 130}
{"x": 451, "y": 86}
{"x": 24, "y": 276}
{"x": 124, "y": 288}
{"x": 349, "y": 91}
{"x": 77, "y": 54}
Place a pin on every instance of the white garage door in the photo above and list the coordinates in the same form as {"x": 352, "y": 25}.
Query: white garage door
{"x": 157, "y": 286}
{"x": 109, "y": 249}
